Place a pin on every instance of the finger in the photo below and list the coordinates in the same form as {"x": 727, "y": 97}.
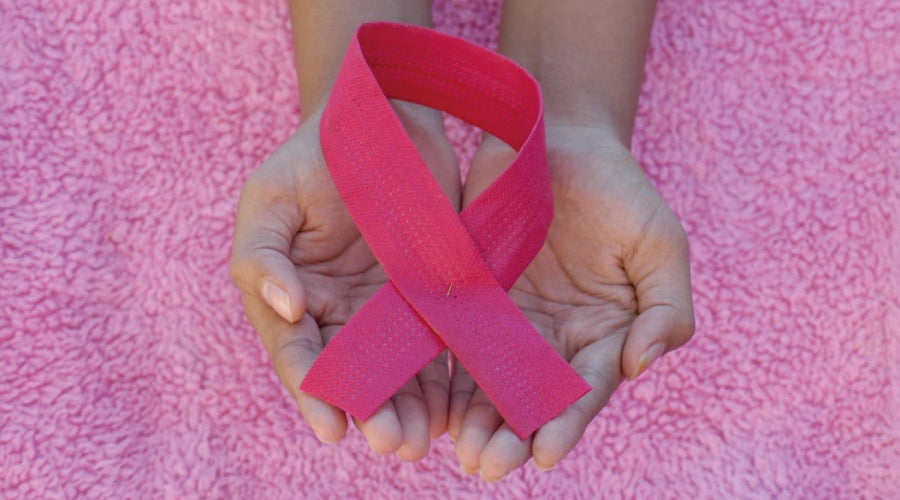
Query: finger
{"x": 491, "y": 158}
{"x": 425, "y": 127}
{"x": 503, "y": 453}
{"x": 654, "y": 332}
{"x": 462, "y": 386}
{"x": 382, "y": 430}
{"x": 268, "y": 218}
{"x": 293, "y": 349}
{"x": 660, "y": 271}
{"x": 412, "y": 412}
{"x": 434, "y": 380}
{"x": 598, "y": 364}
{"x": 479, "y": 423}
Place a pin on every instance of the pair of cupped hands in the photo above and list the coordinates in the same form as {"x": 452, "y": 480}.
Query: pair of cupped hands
{"x": 610, "y": 289}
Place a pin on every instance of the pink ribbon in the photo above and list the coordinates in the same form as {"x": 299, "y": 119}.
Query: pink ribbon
{"x": 448, "y": 272}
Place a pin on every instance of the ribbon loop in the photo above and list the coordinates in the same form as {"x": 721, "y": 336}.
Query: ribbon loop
{"x": 448, "y": 272}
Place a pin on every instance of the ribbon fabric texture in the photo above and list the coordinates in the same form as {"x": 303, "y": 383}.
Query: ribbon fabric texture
{"x": 448, "y": 272}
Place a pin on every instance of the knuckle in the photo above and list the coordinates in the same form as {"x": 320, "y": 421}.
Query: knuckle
{"x": 679, "y": 241}
{"x": 237, "y": 267}
{"x": 482, "y": 405}
{"x": 249, "y": 189}
{"x": 440, "y": 386}
{"x": 598, "y": 380}
{"x": 680, "y": 326}
{"x": 247, "y": 269}
{"x": 688, "y": 327}
{"x": 678, "y": 235}
{"x": 262, "y": 187}
{"x": 292, "y": 345}
{"x": 412, "y": 397}
{"x": 462, "y": 395}
{"x": 660, "y": 234}
{"x": 546, "y": 451}
{"x": 670, "y": 232}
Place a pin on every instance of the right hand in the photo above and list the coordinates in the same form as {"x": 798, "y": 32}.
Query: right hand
{"x": 304, "y": 271}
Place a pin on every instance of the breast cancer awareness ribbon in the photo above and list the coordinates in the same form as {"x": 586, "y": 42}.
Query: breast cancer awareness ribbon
{"x": 448, "y": 272}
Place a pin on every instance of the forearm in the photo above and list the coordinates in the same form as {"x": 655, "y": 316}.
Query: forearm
{"x": 323, "y": 29}
{"x": 588, "y": 56}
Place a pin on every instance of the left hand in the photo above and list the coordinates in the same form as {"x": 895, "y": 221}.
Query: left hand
{"x": 610, "y": 291}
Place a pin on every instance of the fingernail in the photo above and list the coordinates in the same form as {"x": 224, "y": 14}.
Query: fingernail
{"x": 277, "y": 299}
{"x": 316, "y": 433}
{"x": 470, "y": 472}
{"x": 490, "y": 479}
{"x": 540, "y": 466}
{"x": 647, "y": 359}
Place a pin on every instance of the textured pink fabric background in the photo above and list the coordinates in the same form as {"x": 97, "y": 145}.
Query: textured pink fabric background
{"x": 127, "y": 369}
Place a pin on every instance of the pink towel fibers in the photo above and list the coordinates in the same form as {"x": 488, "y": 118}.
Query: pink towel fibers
{"x": 128, "y": 370}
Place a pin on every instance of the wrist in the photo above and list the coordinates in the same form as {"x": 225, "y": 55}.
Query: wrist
{"x": 322, "y": 32}
{"x": 572, "y": 108}
{"x": 588, "y": 56}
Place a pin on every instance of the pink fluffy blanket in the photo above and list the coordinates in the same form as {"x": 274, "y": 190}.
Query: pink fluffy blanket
{"x": 128, "y": 127}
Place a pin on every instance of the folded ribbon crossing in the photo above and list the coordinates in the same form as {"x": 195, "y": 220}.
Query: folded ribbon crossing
{"x": 448, "y": 272}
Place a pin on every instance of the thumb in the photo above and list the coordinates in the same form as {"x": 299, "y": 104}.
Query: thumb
{"x": 660, "y": 272}
{"x": 268, "y": 218}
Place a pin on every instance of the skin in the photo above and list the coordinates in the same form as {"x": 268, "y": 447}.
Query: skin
{"x": 613, "y": 271}
{"x": 610, "y": 290}
{"x": 293, "y": 231}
